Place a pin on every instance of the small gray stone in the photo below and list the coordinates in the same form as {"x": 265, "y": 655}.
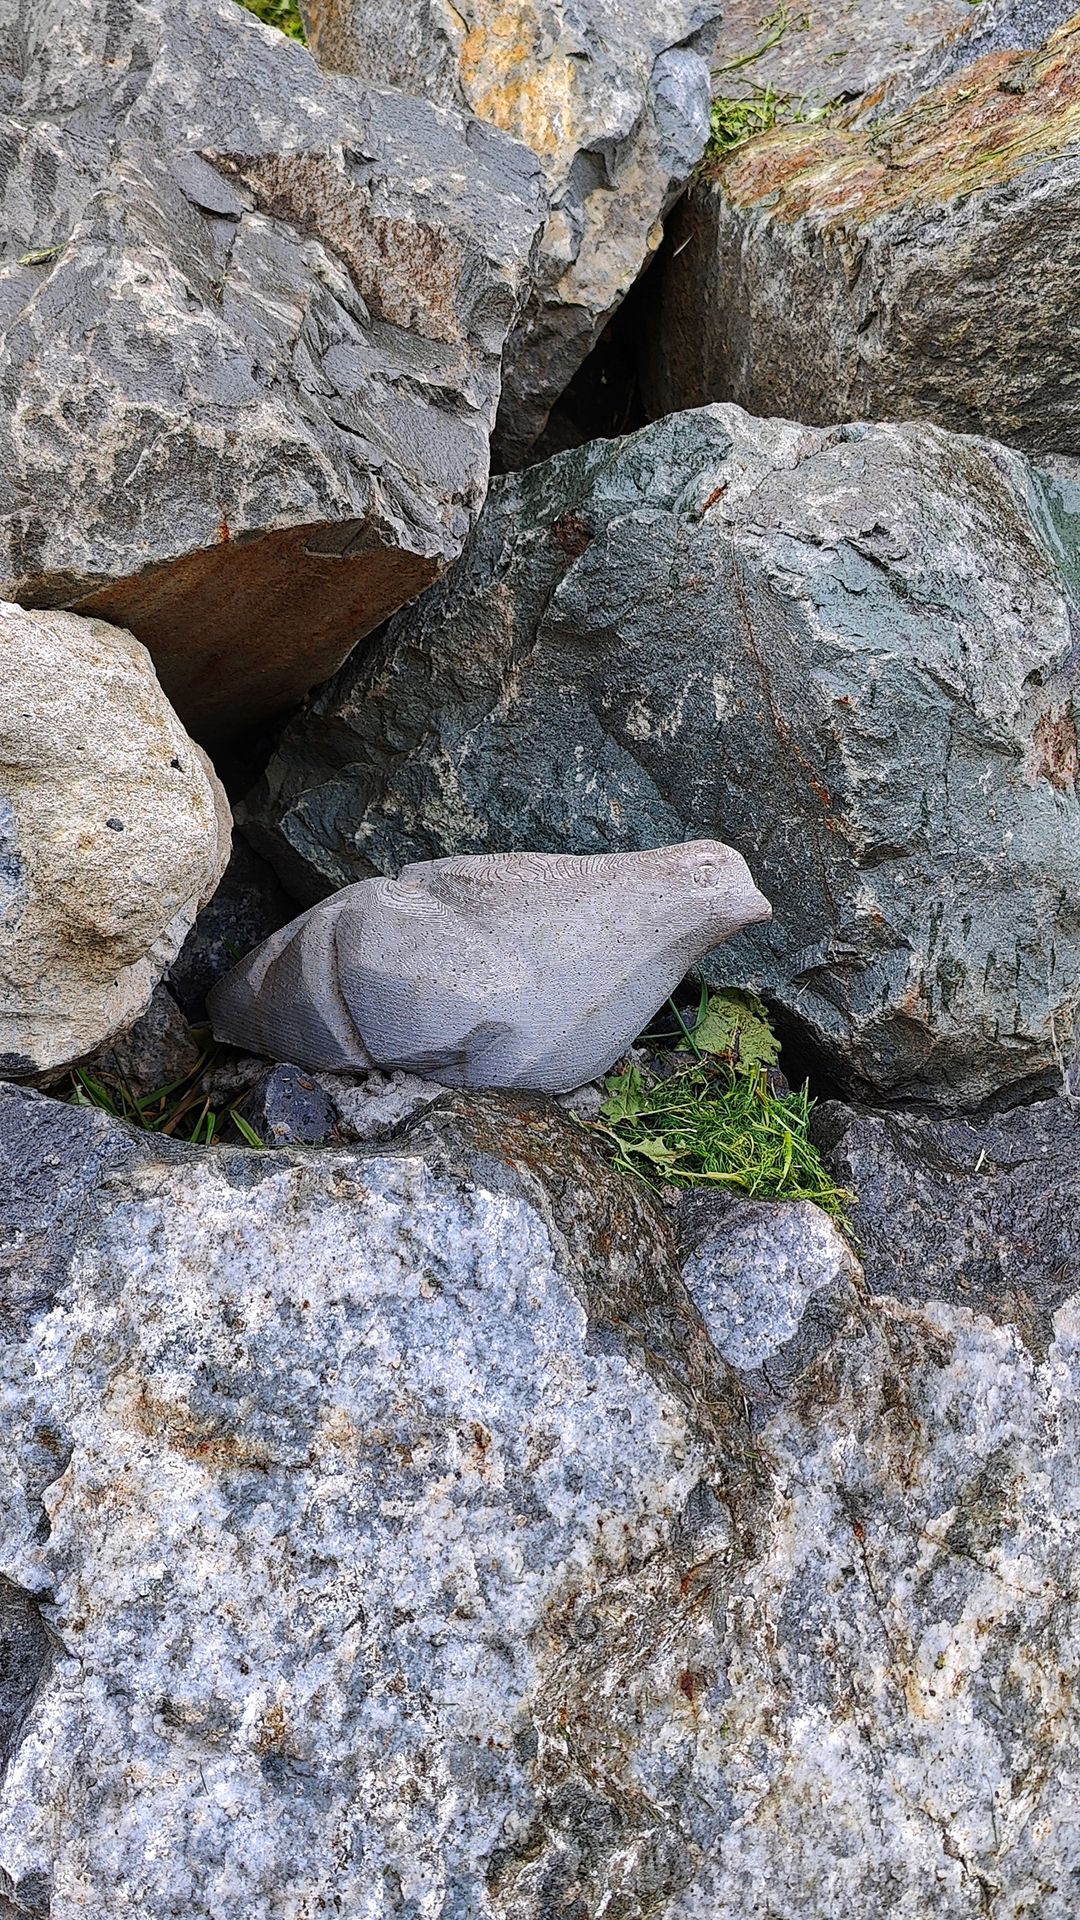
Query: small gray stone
{"x": 288, "y": 1108}
{"x": 775, "y": 1282}
{"x": 373, "y": 1106}
{"x": 849, "y": 651}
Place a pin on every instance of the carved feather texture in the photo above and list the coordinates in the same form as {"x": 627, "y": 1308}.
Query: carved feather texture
{"x": 530, "y": 970}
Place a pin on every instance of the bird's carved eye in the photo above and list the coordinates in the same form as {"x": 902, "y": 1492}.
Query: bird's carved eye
{"x": 706, "y": 873}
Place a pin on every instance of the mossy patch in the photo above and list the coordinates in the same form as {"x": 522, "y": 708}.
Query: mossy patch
{"x": 977, "y": 130}
{"x": 283, "y": 14}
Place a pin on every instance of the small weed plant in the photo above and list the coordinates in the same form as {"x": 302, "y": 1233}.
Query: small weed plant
{"x": 737, "y": 119}
{"x": 716, "y": 1120}
{"x": 283, "y": 14}
{"x": 183, "y": 1109}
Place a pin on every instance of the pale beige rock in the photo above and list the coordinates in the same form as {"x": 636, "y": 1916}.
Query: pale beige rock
{"x": 114, "y": 830}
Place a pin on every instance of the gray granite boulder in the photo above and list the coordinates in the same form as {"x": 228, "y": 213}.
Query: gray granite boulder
{"x": 921, "y": 264}
{"x": 114, "y": 831}
{"x": 981, "y": 1212}
{"x": 344, "y": 1485}
{"x": 379, "y": 1529}
{"x": 611, "y": 95}
{"x": 850, "y": 653}
{"x": 251, "y": 328}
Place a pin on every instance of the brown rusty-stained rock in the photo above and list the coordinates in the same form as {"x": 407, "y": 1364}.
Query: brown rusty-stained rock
{"x": 920, "y": 263}
{"x": 251, "y": 327}
{"x": 614, "y": 99}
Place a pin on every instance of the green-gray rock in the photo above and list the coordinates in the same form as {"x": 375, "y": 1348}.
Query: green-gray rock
{"x": 848, "y": 652}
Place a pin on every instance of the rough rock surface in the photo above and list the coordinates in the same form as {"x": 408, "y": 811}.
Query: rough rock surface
{"x": 993, "y": 26}
{"x": 372, "y": 1106}
{"x": 839, "y": 272}
{"x": 984, "y": 1212}
{"x": 249, "y": 904}
{"x": 159, "y": 1049}
{"x": 847, "y": 652}
{"x": 114, "y": 830}
{"x": 774, "y": 1281}
{"x": 287, "y": 1107}
{"x": 251, "y": 323}
{"x": 377, "y": 1530}
{"x": 833, "y": 55}
{"x": 614, "y": 99}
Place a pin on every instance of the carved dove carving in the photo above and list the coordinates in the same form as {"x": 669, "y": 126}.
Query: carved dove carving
{"x": 530, "y": 970}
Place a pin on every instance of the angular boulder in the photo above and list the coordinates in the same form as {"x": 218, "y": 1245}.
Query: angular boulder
{"x": 341, "y": 1483}
{"x": 251, "y": 324}
{"x": 614, "y": 100}
{"x": 378, "y": 1529}
{"x": 114, "y": 830}
{"x": 919, "y": 264}
{"x": 848, "y": 652}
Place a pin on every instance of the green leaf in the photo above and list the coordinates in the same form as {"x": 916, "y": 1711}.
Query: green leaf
{"x": 736, "y": 1026}
{"x": 626, "y": 1096}
{"x": 244, "y": 1128}
{"x": 653, "y": 1150}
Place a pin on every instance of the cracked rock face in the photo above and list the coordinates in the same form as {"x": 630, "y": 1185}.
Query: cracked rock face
{"x": 982, "y": 1212}
{"x": 847, "y": 652}
{"x": 251, "y": 324}
{"x": 114, "y": 831}
{"x": 614, "y": 99}
{"x": 392, "y": 1524}
{"x": 838, "y": 271}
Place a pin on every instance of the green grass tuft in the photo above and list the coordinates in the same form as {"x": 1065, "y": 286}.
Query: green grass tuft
{"x": 283, "y": 14}
{"x": 716, "y": 1121}
{"x": 182, "y": 1109}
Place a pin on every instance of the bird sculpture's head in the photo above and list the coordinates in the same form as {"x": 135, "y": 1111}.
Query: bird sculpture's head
{"x": 701, "y": 888}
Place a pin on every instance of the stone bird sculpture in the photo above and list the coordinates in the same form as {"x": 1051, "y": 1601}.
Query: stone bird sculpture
{"x": 528, "y": 970}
